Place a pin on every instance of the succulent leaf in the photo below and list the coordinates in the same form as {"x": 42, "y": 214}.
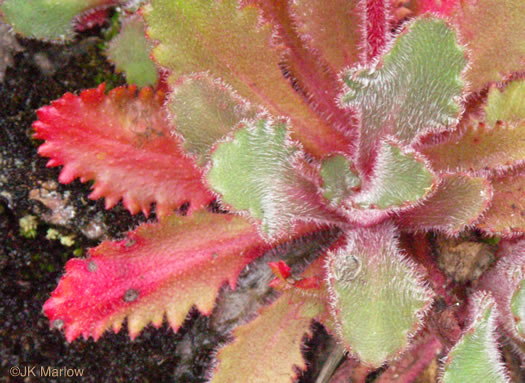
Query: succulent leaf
{"x": 392, "y": 100}
{"x": 457, "y": 202}
{"x": 338, "y": 179}
{"x": 231, "y": 44}
{"x": 130, "y": 52}
{"x": 333, "y": 30}
{"x": 161, "y": 268}
{"x": 398, "y": 179}
{"x": 47, "y": 20}
{"x": 203, "y": 111}
{"x": 122, "y": 141}
{"x": 379, "y": 298}
{"x": 507, "y": 104}
{"x": 486, "y": 39}
{"x": 267, "y": 348}
{"x": 506, "y": 283}
{"x": 506, "y": 214}
{"x": 478, "y": 147}
{"x": 475, "y": 358}
{"x": 257, "y": 171}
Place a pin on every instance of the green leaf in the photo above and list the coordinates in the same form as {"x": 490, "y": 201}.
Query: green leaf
{"x": 378, "y": 296}
{"x": 257, "y": 171}
{"x": 507, "y": 104}
{"x": 203, "y": 111}
{"x": 415, "y": 88}
{"x": 232, "y": 44}
{"x": 338, "y": 179}
{"x": 44, "y": 19}
{"x": 475, "y": 358}
{"x": 130, "y": 52}
{"x": 398, "y": 179}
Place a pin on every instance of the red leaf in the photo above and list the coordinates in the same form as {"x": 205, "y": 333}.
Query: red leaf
{"x": 122, "y": 141}
{"x": 165, "y": 267}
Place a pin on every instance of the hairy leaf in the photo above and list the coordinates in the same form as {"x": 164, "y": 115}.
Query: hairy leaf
{"x": 309, "y": 72}
{"x": 338, "y": 179}
{"x": 268, "y": 348}
{"x": 486, "y": 38}
{"x": 506, "y": 214}
{"x": 392, "y": 100}
{"x": 475, "y": 358}
{"x": 456, "y": 203}
{"x": 258, "y": 171}
{"x": 232, "y": 44}
{"x": 379, "y": 298}
{"x": 129, "y": 51}
{"x": 478, "y": 147}
{"x": 332, "y": 29}
{"x": 48, "y": 20}
{"x": 203, "y": 111}
{"x": 122, "y": 141}
{"x": 507, "y": 104}
{"x": 162, "y": 268}
{"x": 397, "y": 180}
{"x": 506, "y": 283}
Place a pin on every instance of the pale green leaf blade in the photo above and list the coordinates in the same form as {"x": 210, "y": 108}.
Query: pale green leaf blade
{"x": 203, "y": 111}
{"x": 338, "y": 178}
{"x": 475, "y": 358}
{"x": 44, "y": 19}
{"x": 378, "y": 297}
{"x": 258, "y": 171}
{"x": 507, "y": 104}
{"x": 398, "y": 179}
{"x": 130, "y": 52}
{"x": 415, "y": 88}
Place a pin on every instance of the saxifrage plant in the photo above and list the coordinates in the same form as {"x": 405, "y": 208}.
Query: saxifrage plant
{"x": 425, "y": 133}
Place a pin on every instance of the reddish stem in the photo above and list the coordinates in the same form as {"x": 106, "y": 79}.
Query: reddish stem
{"x": 376, "y": 24}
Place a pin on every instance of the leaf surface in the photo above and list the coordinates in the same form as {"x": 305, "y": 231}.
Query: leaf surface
{"x": 506, "y": 283}
{"x": 507, "y": 104}
{"x": 233, "y": 45}
{"x": 269, "y": 347}
{"x": 122, "y": 141}
{"x": 339, "y": 179}
{"x": 478, "y": 147}
{"x": 159, "y": 269}
{"x": 457, "y": 202}
{"x": 391, "y": 100}
{"x": 378, "y": 296}
{"x": 48, "y": 20}
{"x": 398, "y": 180}
{"x": 506, "y": 214}
{"x": 130, "y": 52}
{"x": 203, "y": 111}
{"x": 331, "y": 29}
{"x": 486, "y": 39}
{"x": 476, "y": 358}
{"x": 259, "y": 171}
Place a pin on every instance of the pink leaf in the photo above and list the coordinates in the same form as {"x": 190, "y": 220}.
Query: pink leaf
{"x": 162, "y": 268}
{"x": 457, "y": 203}
{"x": 122, "y": 141}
